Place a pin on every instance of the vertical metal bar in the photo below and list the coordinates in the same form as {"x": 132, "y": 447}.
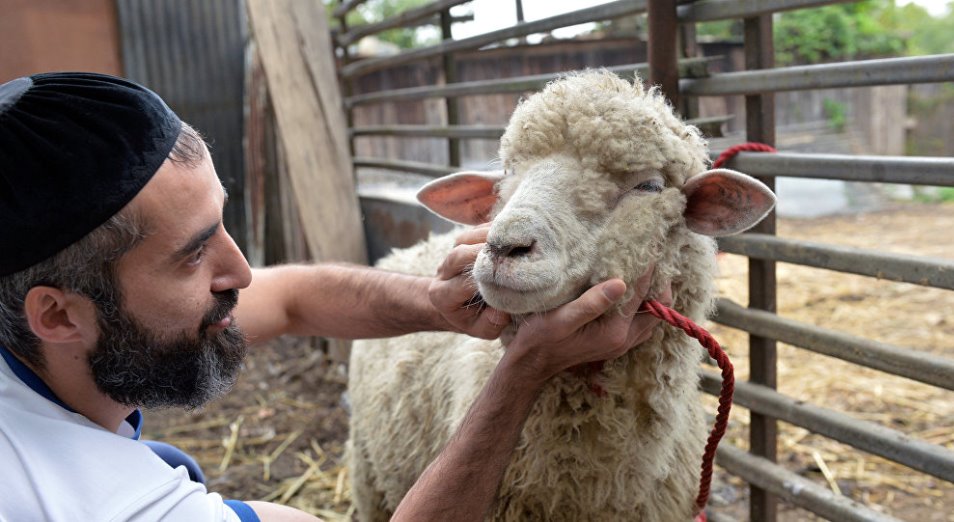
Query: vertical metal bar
{"x": 663, "y": 52}
{"x": 689, "y": 48}
{"x": 450, "y": 76}
{"x": 347, "y": 84}
{"x": 760, "y": 127}
{"x": 520, "y": 18}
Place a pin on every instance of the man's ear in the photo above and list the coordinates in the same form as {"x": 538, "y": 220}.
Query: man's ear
{"x": 463, "y": 197}
{"x": 723, "y": 202}
{"x": 56, "y": 316}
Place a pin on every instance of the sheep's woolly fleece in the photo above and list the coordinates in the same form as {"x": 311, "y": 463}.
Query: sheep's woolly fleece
{"x": 631, "y": 455}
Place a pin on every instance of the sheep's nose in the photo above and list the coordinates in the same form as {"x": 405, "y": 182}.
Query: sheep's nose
{"x": 499, "y": 252}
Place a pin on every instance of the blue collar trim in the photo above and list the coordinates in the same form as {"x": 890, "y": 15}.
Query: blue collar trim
{"x": 26, "y": 375}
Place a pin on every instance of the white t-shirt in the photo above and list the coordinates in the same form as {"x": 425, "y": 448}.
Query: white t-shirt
{"x": 56, "y": 465}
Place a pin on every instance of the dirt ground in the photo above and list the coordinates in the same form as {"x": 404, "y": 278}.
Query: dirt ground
{"x": 279, "y": 435}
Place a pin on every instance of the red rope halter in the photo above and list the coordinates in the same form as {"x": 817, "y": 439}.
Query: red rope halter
{"x": 676, "y": 319}
{"x": 725, "y": 395}
{"x": 715, "y": 351}
{"x": 730, "y": 152}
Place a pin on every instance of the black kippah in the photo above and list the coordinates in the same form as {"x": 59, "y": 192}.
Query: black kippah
{"x": 74, "y": 149}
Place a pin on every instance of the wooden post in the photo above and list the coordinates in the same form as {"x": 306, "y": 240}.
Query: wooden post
{"x": 688, "y": 48}
{"x": 760, "y": 127}
{"x": 663, "y": 53}
{"x": 292, "y": 38}
{"x": 450, "y": 76}
{"x": 298, "y": 58}
{"x": 347, "y": 84}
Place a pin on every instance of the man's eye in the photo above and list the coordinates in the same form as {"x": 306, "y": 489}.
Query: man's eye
{"x": 196, "y": 257}
{"x": 649, "y": 186}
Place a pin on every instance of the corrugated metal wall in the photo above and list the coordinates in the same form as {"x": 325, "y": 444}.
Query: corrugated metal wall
{"x": 192, "y": 52}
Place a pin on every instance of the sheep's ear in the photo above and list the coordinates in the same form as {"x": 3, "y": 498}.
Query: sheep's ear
{"x": 463, "y": 197}
{"x": 723, "y": 202}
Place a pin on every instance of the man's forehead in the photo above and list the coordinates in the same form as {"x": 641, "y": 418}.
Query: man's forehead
{"x": 181, "y": 198}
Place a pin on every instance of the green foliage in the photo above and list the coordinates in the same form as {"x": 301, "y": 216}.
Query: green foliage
{"x": 926, "y": 34}
{"x": 374, "y": 11}
{"x": 836, "y": 113}
{"x": 721, "y": 30}
{"x": 934, "y": 194}
{"x": 866, "y": 29}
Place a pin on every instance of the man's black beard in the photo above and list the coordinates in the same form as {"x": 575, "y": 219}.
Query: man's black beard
{"x": 135, "y": 366}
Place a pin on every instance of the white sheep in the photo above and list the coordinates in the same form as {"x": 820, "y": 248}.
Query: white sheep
{"x": 600, "y": 179}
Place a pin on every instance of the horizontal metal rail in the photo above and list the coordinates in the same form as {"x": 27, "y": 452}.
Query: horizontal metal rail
{"x": 868, "y": 436}
{"x": 705, "y": 10}
{"x": 919, "y": 270}
{"x": 598, "y": 13}
{"x": 346, "y": 6}
{"x": 489, "y": 132}
{"x": 904, "y": 362}
{"x": 863, "y": 73}
{"x": 795, "y": 489}
{"x": 715, "y": 516}
{"x": 427, "y": 169}
{"x": 408, "y": 17}
{"x": 689, "y": 67}
{"x": 708, "y": 10}
{"x": 431, "y": 131}
{"x": 883, "y": 169}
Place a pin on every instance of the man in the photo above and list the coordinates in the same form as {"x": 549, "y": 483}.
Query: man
{"x": 120, "y": 289}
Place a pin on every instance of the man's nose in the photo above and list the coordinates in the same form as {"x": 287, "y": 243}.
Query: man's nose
{"x": 235, "y": 273}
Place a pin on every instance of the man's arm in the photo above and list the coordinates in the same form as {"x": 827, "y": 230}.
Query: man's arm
{"x": 269, "y": 512}
{"x": 352, "y": 302}
{"x": 332, "y": 300}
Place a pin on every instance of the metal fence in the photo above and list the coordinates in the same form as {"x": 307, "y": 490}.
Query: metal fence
{"x": 684, "y": 79}
{"x": 192, "y": 52}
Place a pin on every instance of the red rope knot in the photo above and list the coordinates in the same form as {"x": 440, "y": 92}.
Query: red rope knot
{"x": 730, "y": 152}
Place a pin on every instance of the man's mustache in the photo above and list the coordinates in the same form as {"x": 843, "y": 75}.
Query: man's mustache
{"x": 225, "y": 302}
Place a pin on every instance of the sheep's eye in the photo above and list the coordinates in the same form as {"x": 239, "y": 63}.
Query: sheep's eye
{"x": 650, "y": 186}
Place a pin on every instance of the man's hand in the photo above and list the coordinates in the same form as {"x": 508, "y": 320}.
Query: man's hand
{"x": 581, "y": 331}
{"x": 454, "y": 293}
{"x": 461, "y": 482}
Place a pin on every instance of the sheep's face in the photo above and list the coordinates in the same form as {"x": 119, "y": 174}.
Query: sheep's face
{"x": 595, "y": 179}
{"x": 553, "y": 223}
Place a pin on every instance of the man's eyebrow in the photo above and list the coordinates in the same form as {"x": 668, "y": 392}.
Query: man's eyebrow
{"x": 195, "y": 242}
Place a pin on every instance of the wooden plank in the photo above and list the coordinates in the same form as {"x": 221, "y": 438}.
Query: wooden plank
{"x": 296, "y": 52}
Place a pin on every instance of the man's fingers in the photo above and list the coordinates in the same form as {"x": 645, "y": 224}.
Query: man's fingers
{"x": 666, "y": 297}
{"x": 589, "y": 306}
{"x": 629, "y": 309}
{"x": 490, "y": 323}
{"x": 472, "y": 236}
{"x": 460, "y": 259}
{"x": 451, "y": 295}
{"x": 644, "y": 283}
{"x": 496, "y": 317}
{"x": 642, "y": 328}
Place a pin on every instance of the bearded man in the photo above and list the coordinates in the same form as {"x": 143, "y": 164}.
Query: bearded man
{"x": 120, "y": 289}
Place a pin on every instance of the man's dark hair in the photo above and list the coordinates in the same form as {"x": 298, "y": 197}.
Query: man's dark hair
{"x": 86, "y": 267}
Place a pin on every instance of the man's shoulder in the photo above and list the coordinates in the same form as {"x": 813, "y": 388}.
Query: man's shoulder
{"x": 54, "y": 466}
{"x": 78, "y": 471}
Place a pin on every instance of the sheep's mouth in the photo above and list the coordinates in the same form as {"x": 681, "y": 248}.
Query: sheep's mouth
{"x": 524, "y": 300}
